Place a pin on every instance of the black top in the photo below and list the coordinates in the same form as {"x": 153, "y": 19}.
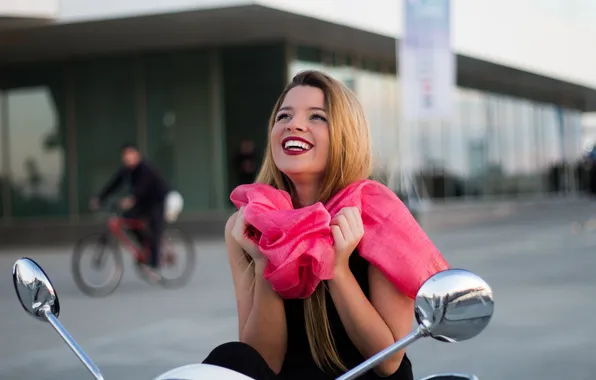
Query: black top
{"x": 299, "y": 364}
{"x": 146, "y": 185}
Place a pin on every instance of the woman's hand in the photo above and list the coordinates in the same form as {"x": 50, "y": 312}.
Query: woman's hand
{"x": 127, "y": 203}
{"x": 347, "y": 230}
{"x": 242, "y": 234}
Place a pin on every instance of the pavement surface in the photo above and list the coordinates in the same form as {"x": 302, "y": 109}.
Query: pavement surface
{"x": 540, "y": 264}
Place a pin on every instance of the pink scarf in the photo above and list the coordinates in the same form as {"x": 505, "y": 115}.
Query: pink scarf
{"x": 299, "y": 246}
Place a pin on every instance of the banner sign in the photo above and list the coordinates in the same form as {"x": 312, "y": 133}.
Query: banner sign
{"x": 426, "y": 62}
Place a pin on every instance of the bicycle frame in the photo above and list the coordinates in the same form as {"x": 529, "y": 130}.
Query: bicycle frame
{"x": 117, "y": 226}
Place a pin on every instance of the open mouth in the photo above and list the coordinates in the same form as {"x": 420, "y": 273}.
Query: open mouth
{"x": 296, "y": 145}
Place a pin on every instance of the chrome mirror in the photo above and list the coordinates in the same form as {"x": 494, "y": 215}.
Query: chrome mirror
{"x": 451, "y": 306}
{"x": 39, "y": 299}
{"x": 451, "y": 376}
{"x": 34, "y": 289}
{"x": 454, "y": 305}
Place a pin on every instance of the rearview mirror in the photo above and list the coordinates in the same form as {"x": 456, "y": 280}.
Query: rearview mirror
{"x": 454, "y": 305}
{"x": 450, "y": 376}
{"x": 451, "y": 306}
{"x": 39, "y": 299}
{"x": 34, "y": 289}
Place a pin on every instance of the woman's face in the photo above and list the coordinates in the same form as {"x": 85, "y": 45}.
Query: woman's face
{"x": 300, "y": 135}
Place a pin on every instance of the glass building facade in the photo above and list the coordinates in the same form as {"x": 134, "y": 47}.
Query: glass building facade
{"x": 62, "y": 123}
{"x": 494, "y": 145}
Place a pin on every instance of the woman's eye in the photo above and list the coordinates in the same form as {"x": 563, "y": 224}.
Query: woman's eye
{"x": 319, "y": 117}
{"x": 282, "y": 116}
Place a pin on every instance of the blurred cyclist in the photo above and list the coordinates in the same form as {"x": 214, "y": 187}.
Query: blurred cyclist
{"x": 147, "y": 200}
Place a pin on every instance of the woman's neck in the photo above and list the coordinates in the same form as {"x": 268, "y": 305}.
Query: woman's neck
{"x": 306, "y": 194}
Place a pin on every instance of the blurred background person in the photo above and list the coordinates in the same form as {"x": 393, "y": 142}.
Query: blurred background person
{"x": 245, "y": 163}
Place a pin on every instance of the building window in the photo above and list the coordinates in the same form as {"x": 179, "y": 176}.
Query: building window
{"x": 33, "y": 143}
{"x": 106, "y": 118}
{"x": 180, "y": 134}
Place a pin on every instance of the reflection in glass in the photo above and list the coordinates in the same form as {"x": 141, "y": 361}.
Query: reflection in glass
{"x": 373, "y": 91}
{"x": 553, "y": 147}
{"x": 530, "y": 178}
{"x": 476, "y": 144}
{"x": 454, "y": 152}
{"x": 37, "y": 153}
{"x": 501, "y": 146}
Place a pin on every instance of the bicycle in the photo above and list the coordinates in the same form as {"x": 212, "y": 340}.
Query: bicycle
{"x": 108, "y": 244}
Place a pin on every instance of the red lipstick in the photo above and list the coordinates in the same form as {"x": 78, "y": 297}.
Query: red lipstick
{"x": 296, "y": 150}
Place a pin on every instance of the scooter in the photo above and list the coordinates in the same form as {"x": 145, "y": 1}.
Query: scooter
{"x": 452, "y": 306}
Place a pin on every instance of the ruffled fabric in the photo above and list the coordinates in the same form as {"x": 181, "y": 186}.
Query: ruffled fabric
{"x": 299, "y": 246}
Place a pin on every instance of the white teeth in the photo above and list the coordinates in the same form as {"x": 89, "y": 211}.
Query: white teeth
{"x": 296, "y": 144}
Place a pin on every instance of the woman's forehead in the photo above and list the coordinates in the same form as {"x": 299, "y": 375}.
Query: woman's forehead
{"x": 304, "y": 97}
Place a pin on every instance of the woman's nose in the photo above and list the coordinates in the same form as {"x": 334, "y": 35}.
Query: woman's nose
{"x": 296, "y": 125}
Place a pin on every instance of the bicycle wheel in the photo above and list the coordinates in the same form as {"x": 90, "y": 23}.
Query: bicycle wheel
{"x": 178, "y": 258}
{"x": 103, "y": 253}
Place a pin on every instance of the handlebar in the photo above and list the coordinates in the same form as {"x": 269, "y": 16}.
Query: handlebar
{"x": 110, "y": 207}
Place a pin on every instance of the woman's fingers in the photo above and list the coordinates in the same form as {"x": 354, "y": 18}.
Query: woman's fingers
{"x": 352, "y": 227}
{"x": 338, "y": 237}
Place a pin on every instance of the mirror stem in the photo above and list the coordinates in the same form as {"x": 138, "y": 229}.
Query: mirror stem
{"x": 52, "y": 320}
{"x": 383, "y": 355}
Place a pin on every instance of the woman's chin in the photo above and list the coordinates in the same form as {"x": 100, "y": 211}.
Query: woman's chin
{"x": 296, "y": 174}
{"x": 293, "y": 172}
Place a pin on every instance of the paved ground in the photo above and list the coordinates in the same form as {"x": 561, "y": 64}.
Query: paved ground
{"x": 541, "y": 270}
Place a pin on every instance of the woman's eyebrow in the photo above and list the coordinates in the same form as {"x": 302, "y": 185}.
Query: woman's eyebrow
{"x": 288, "y": 108}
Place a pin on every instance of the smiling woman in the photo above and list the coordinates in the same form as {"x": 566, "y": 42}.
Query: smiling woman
{"x": 313, "y": 209}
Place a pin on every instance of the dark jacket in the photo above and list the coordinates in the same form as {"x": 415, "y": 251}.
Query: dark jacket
{"x": 146, "y": 185}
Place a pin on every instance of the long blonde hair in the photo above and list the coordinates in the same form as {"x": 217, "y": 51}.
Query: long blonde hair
{"x": 349, "y": 161}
